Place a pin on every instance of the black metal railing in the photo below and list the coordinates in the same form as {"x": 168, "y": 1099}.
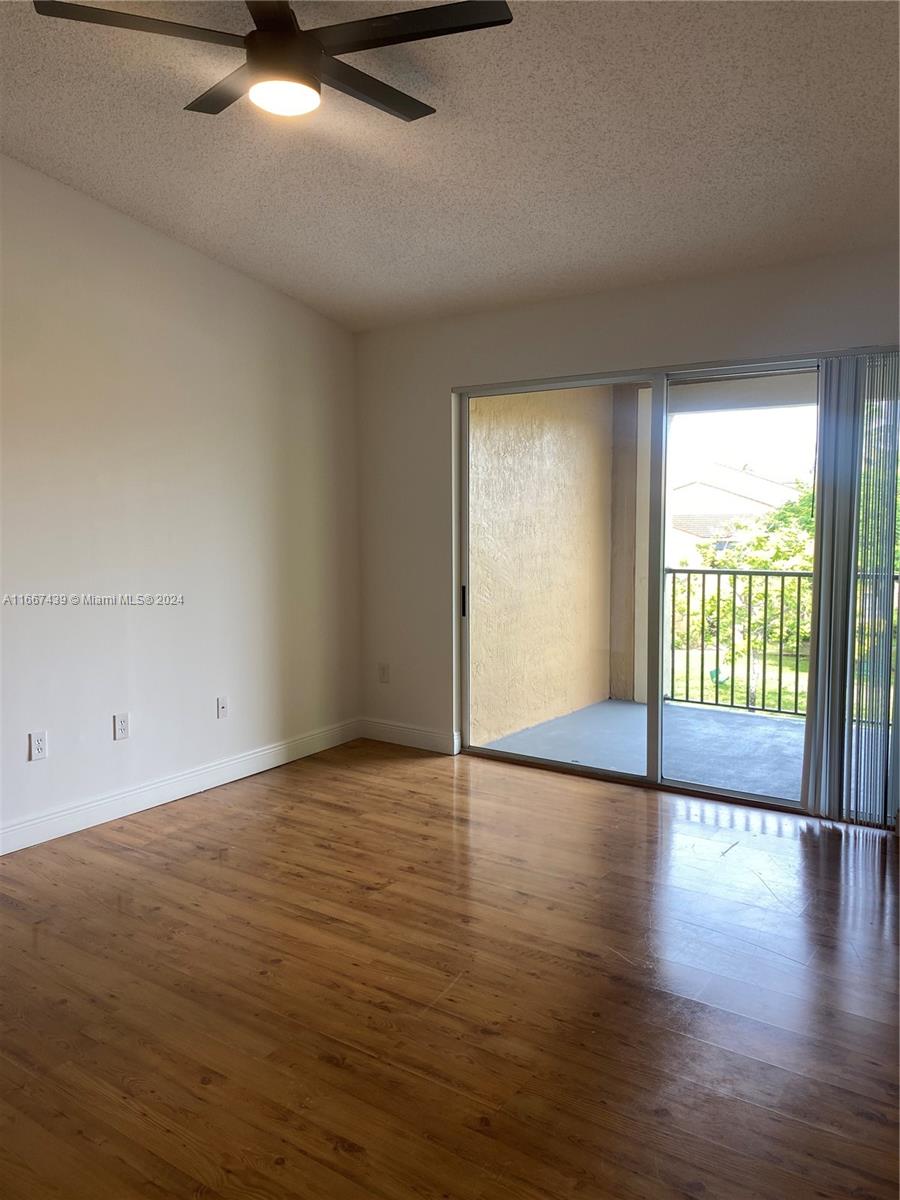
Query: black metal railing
{"x": 738, "y": 639}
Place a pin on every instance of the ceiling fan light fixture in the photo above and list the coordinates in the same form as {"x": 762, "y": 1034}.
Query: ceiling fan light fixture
{"x": 285, "y": 66}
{"x": 284, "y": 97}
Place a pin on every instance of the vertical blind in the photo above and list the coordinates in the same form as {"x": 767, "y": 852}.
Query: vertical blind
{"x": 871, "y": 694}
{"x": 851, "y": 762}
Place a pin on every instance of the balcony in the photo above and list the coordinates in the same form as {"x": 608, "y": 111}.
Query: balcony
{"x": 735, "y": 677}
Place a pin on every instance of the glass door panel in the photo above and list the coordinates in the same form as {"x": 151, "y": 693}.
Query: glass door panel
{"x": 558, "y": 527}
{"x": 737, "y": 582}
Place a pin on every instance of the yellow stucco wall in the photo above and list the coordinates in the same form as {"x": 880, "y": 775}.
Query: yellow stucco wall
{"x": 642, "y": 547}
{"x": 539, "y": 556}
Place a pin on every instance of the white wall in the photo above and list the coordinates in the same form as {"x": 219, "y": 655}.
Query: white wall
{"x": 407, "y": 428}
{"x": 169, "y": 425}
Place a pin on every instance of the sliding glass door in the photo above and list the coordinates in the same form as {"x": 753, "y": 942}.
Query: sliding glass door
{"x": 639, "y": 589}
{"x": 637, "y": 575}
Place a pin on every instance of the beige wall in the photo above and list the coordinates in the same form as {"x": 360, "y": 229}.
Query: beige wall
{"x": 622, "y": 544}
{"x": 406, "y": 375}
{"x": 642, "y": 545}
{"x": 168, "y": 425}
{"x": 539, "y": 519}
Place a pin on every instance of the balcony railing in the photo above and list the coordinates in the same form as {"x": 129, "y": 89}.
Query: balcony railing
{"x": 738, "y": 639}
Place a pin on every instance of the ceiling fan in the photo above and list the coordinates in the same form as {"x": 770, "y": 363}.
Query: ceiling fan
{"x": 286, "y": 65}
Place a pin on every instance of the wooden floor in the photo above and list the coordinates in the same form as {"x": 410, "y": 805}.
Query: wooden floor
{"x": 383, "y": 973}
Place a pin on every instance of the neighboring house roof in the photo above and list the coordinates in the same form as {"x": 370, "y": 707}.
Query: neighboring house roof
{"x": 744, "y": 490}
{"x": 704, "y": 527}
{"x": 710, "y": 506}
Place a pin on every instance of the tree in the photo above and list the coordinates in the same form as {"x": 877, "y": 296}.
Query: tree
{"x": 758, "y": 625}
{"x": 782, "y": 540}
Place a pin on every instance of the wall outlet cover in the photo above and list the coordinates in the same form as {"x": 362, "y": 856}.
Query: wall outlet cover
{"x": 37, "y": 745}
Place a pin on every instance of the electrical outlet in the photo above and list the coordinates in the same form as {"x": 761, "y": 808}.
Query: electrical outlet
{"x": 121, "y": 726}
{"x": 384, "y": 672}
{"x": 222, "y": 707}
{"x": 37, "y": 745}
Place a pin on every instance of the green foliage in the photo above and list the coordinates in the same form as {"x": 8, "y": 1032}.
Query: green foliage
{"x": 756, "y": 621}
{"x": 759, "y": 625}
{"x": 696, "y": 678}
{"x": 782, "y": 540}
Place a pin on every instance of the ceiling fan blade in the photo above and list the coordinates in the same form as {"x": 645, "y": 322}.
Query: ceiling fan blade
{"x": 120, "y": 20}
{"x": 274, "y": 16}
{"x": 411, "y": 26}
{"x": 360, "y": 86}
{"x": 223, "y": 93}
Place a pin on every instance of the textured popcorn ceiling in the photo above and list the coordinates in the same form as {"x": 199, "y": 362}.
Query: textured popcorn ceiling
{"x": 585, "y": 146}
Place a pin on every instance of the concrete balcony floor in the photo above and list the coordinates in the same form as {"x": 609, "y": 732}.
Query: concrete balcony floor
{"x": 711, "y": 747}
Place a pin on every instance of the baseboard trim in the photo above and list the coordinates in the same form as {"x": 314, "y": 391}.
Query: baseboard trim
{"x": 408, "y": 735}
{"x": 87, "y": 813}
{"x": 114, "y": 805}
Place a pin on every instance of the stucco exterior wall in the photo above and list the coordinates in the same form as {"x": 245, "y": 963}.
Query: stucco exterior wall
{"x": 539, "y": 545}
{"x": 642, "y": 547}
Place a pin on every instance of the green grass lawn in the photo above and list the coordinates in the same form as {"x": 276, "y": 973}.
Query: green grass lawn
{"x": 701, "y": 667}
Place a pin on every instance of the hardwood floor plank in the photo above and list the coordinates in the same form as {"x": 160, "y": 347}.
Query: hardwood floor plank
{"x": 62, "y": 1163}
{"x": 379, "y": 974}
{"x": 62, "y": 1116}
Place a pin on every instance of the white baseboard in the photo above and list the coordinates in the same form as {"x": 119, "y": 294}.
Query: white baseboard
{"x": 72, "y": 817}
{"x": 408, "y": 735}
{"x": 110, "y": 807}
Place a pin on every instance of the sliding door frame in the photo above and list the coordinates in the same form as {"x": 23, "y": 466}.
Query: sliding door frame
{"x": 659, "y": 379}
